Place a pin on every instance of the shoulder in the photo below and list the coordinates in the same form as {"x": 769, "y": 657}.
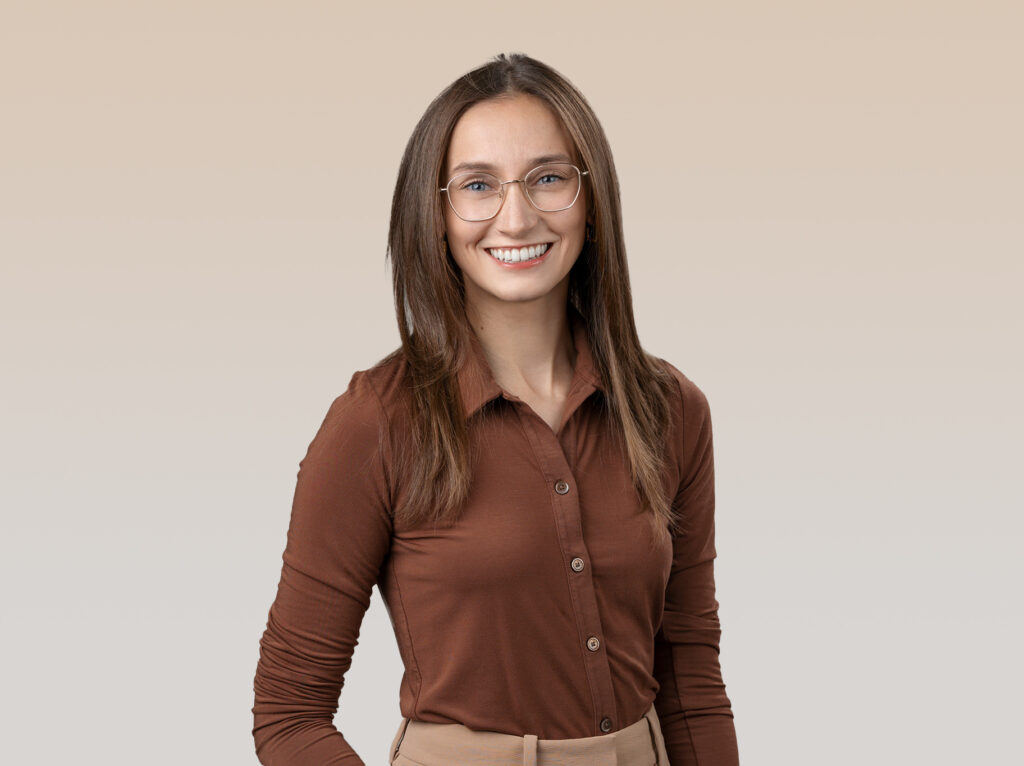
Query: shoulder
{"x": 386, "y": 380}
{"x": 690, "y": 403}
{"x": 690, "y": 436}
{"x": 374, "y": 389}
{"x": 360, "y": 414}
{"x": 690, "y": 444}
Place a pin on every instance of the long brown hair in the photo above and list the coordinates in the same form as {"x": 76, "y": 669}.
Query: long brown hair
{"x": 435, "y": 465}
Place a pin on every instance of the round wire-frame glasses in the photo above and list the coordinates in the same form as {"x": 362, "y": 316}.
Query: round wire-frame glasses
{"x": 559, "y": 192}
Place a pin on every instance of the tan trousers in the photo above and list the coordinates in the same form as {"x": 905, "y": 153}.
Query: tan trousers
{"x": 418, "y": 743}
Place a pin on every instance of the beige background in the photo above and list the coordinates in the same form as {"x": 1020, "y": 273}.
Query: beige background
{"x": 823, "y": 213}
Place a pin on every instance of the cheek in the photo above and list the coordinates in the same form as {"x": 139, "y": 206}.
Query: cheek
{"x": 449, "y": 225}
{"x": 579, "y": 211}
{"x": 459, "y": 233}
{"x": 578, "y": 226}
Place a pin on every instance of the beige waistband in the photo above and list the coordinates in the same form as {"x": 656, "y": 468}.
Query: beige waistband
{"x": 418, "y": 743}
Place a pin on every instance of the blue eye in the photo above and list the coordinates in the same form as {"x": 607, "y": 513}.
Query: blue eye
{"x": 549, "y": 179}
{"x": 475, "y": 184}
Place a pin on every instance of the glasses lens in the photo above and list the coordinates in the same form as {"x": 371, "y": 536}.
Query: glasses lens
{"x": 554, "y": 186}
{"x": 474, "y": 196}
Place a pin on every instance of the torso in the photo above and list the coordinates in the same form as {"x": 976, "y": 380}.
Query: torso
{"x": 549, "y": 410}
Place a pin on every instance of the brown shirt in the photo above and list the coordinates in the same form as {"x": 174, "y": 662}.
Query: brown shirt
{"x": 549, "y": 608}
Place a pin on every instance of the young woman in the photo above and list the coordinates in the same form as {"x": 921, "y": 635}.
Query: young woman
{"x": 531, "y": 491}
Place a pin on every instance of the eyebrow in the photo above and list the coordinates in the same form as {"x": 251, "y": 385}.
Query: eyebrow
{"x": 490, "y": 168}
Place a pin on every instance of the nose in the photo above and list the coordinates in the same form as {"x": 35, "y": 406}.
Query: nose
{"x": 517, "y": 213}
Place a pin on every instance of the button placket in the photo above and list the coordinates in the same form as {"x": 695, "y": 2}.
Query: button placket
{"x": 550, "y": 451}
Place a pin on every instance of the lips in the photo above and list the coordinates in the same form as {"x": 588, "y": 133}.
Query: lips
{"x": 519, "y": 254}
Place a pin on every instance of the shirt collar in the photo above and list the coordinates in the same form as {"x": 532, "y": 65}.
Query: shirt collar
{"x": 476, "y": 381}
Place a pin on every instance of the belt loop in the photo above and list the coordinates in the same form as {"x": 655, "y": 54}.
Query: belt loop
{"x": 654, "y": 742}
{"x": 529, "y": 750}
{"x": 397, "y": 741}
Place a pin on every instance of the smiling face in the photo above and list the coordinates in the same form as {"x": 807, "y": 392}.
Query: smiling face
{"x": 508, "y": 137}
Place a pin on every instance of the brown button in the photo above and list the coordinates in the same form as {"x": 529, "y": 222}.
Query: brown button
{"x": 561, "y": 487}
{"x": 593, "y": 644}
{"x": 577, "y": 564}
{"x": 606, "y": 725}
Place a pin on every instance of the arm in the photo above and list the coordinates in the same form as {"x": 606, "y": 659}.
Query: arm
{"x": 338, "y": 537}
{"x": 692, "y": 705}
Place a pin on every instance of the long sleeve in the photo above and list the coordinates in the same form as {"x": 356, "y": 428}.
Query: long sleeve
{"x": 338, "y": 537}
{"x": 693, "y": 708}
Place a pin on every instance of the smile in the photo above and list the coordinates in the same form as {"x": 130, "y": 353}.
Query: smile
{"x": 518, "y": 254}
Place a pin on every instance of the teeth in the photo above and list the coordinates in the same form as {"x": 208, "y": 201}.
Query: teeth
{"x": 517, "y": 254}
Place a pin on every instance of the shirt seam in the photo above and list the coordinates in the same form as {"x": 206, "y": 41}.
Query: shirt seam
{"x": 679, "y": 701}
{"x": 388, "y": 478}
{"x": 680, "y": 467}
{"x": 672, "y": 654}
{"x": 408, "y": 633}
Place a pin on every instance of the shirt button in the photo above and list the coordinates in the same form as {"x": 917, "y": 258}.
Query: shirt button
{"x": 606, "y": 724}
{"x": 593, "y": 644}
{"x": 561, "y": 487}
{"x": 577, "y": 564}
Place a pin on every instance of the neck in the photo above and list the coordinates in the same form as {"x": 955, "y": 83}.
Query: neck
{"x": 528, "y": 345}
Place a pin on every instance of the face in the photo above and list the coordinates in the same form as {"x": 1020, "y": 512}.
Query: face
{"x": 510, "y": 135}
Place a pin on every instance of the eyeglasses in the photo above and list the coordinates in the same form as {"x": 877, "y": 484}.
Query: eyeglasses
{"x": 478, "y": 196}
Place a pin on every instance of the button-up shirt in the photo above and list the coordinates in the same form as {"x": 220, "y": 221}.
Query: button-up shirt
{"x": 549, "y": 608}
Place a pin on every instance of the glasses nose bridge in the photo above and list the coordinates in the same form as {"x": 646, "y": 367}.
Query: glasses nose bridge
{"x": 522, "y": 189}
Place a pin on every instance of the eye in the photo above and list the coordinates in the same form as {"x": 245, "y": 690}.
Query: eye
{"x": 474, "y": 184}
{"x": 549, "y": 177}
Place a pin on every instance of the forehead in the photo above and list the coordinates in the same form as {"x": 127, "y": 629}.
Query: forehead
{"x": 507, "y": 133}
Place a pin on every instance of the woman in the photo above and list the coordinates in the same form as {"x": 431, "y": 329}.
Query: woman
{"x": 532, "y": 492}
